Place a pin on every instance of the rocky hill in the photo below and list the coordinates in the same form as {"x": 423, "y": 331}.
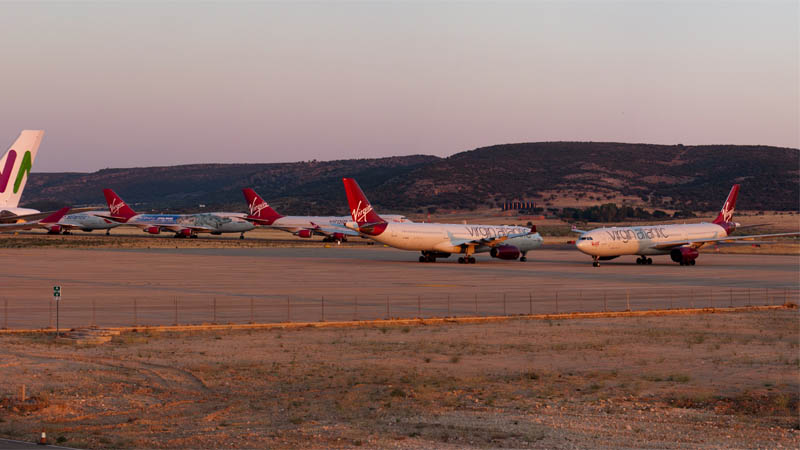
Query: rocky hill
{"x": 659, "y": 176}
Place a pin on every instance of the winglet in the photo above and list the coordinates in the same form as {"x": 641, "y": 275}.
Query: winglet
{"x": 56, "y": 216}
{"x": 117, "y": 207}
{"x": 260, "y": 211}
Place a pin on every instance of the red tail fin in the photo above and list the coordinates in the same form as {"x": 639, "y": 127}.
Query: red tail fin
{"x": 56, "y": 216}
{"x": 360, "y": 209}
{"x": 260, "y": 211}
{"x": 726, "y": 213}
{"x": 116, "y": 206}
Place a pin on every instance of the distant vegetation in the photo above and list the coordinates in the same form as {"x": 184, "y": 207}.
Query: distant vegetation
{"x": 610, "y": 212}
{"x": 656, "y": 177}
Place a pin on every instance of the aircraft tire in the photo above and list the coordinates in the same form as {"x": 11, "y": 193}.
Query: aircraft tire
{"x": 595, "y": 264}
{"x": 649, "y": 261}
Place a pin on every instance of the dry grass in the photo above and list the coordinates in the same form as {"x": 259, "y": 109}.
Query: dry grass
{"x": 730, "y": 379}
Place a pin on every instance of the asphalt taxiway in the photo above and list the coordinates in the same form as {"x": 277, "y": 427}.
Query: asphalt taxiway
{"x": 188, "y": 285}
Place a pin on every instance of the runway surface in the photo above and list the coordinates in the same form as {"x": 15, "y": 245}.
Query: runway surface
{"x": 164, "y": 286}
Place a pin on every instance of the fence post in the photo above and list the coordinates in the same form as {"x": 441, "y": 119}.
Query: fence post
{"x": 448, "y": 305}
{"x": 93, "y": 314}
{"x": 355, "y": 308}
{"x": 748, "y": 296}
{"x": 50, "y": 313}
{"x": 288, "y": 309}
{"x": 670, "y": 299}
{"x": 252, "y": 311}
{"x": 785, "y": 295}
{"x": 711, "y": 297}
{"x": 530, "y": 303}
{"x": 766, "y": 294}
{"x": 419, "y": 306}
{"x": 214, "y": 308}
{"x": 556, "y": 302}
{"x": 605, "y": 304}
{"x": 476, "y": 304}
{"x": 388, "y": 310}
{"x": 730, "y": 291}
{"x": 323, "y": 308}
{"x": 504, "y": 304}
{"x": 628, "y": 299}
{"x": 135, "y": 313}
{"x": 5, "y": 313}
{"x": 691, "y": 297}
{"x": 176, "y": 310}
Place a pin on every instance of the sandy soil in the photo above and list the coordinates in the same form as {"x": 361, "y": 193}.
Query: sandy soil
{"x": 703, "y": 381}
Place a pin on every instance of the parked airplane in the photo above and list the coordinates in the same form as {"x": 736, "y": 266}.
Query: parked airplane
{"x": 183, "y": 225}
{"x": 50, "y": 223}
{"x": 331, "y": 227}
{"x": 87, "y": 221}
{"x": 436, "y": 240}
{"x": 680, "y": 242}
{"x": 15, "y": 165}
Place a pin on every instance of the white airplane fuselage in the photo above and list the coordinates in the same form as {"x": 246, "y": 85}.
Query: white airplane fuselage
{"x": 618, "y": 241}
{"x": 435, "y": 237}
{"x": 215, "y": 222}
{"x": 88, "y": 221}
{"x": 293, "y": 224}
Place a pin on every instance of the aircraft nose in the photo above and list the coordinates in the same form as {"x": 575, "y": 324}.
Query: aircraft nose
{"x": 581, "y": 245}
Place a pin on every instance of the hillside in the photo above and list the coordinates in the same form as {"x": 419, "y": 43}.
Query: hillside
{"x": 669, "y": 177}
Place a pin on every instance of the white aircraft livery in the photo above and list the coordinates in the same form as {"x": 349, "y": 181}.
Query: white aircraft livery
{"x": 436, "y": 240}
{"x": 680, "y": 242}
{"x": 183, "y": 225}
{"x": 87, "y": 221}
{"x": 15, "y": 165}
{"x": 331, "y": 227}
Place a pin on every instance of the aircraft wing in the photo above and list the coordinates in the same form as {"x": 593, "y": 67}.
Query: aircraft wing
{"x": 178, "y": 228}
{"x": 487, "y": 241}
{"x": 19, "y": 226}
{"x": 11, "y": 219}
{"x": 331, "y": 230}
{"x": 576, "y": 230}
{"x": 51, "y": 219}
{"x": 699, "y": 242}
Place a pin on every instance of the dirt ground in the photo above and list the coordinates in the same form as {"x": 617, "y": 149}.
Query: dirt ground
{"x": 699, "y": 381}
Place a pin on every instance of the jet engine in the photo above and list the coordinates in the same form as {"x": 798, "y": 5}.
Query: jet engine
{"x": 339, "y": 237}
{"x": 54, "y": 229}
{"x": 305, "y": 233}
{"x": 684, "y": 255}
{"x": 152, "y": 230}
{"x": 504, "y": 252}
{"x": 186, "y": 232}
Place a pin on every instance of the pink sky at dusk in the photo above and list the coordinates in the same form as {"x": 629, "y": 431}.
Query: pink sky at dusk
{"x": 146, "y": 84}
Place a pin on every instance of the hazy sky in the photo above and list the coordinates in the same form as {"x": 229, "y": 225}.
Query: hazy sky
{"x": 141, "y": 84}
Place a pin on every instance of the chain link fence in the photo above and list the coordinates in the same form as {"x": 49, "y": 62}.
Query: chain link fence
{"x": 201, "y": 309}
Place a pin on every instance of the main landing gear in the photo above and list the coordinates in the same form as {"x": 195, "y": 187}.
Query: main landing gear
{"x": 644, "y": 260}
{"x": 466, "y": 260}
{"x": 523, "y": 258}
{"x": 241, "y": 236}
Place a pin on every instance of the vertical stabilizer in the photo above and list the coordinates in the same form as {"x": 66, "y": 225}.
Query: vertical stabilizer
{"x": 117, "y": 207}
{"x": 260, "y": 211}
{"x": 16, "y": 164}
{"x": 360, "y": 208}
{"x": 726, "y": 213}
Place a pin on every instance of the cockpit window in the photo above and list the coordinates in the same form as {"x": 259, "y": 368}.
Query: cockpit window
{"x": 586, "y": 238}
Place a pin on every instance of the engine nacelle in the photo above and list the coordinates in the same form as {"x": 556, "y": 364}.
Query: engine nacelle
{"x": 305, "y": 233}
{"x": 684, "y": 255}
{"x": 54, "y": 229}
{"x": 187, "y": 232}
{"x": 505, "y": 252}
{"x": 339, "y": 237}
{"x": 152, "y": 230}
